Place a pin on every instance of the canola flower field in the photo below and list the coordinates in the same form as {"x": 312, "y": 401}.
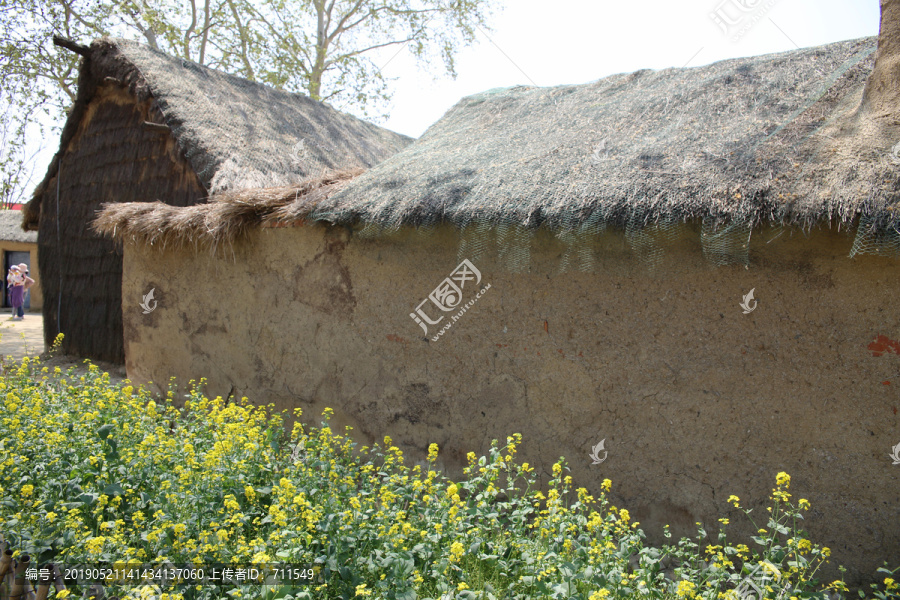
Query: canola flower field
{"x": 94, "y": 472}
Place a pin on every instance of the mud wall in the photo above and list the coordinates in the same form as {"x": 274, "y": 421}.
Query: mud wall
{"x": 696, "y": 400}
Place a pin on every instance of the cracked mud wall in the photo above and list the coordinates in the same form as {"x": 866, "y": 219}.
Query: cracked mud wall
{"x": 695, "y": 399}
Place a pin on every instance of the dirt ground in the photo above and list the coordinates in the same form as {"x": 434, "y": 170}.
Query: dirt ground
{"x": 64, "y": 362}
{"x": 26, "y": 338}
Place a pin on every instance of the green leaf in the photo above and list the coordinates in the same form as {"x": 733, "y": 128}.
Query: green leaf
{"x": 408, "y": 594}
{"x": 104, "y": 431}
{"x": 88, "y": 498}
{"x": 113, "y": 489}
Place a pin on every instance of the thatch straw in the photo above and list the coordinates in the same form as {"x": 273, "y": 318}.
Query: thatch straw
{"x": 31, "y": 216}
{"x": 742, "y": 140}
{"x": 225, "y": 219}
{"x": 236, "y": 134}
{"x": 11, "y": 228}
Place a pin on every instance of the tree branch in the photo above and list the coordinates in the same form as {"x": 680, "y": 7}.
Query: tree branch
{"x": 205, "y": 36}
{"x": 340, "y": 26}
{"x": 337, "y": 59}
{"x": 190, "y": 30}
{"x": 242, "y": 32}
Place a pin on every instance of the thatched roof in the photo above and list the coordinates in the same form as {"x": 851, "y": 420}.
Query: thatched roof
{"x": 235, "y": 134}
{"x": 11, "y": 228}
{"x": 223, "y": 220}
{"x": 743, "y": 142}
{"x": 738, "y": 140}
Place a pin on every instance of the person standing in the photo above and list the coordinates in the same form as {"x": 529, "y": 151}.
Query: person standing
{"x": 15, "y": 285}
{"x": 26, "y": 284}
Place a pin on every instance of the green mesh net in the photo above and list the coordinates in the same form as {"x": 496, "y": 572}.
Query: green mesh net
{"x": 878, "y": 241}
{"x": 726, "y": 245}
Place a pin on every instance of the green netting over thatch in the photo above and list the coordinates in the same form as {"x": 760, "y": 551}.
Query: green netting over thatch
{"x": 733, "y": 142}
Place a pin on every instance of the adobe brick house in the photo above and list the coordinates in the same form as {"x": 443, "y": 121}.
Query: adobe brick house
{"x": 620, "y": 226}
{"x": 148, "y": 127}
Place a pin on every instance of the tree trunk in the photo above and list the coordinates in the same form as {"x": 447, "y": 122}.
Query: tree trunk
{"x": 882, "y": 94}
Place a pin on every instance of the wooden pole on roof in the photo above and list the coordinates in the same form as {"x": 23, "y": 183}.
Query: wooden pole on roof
{"x": 75, "y": 47}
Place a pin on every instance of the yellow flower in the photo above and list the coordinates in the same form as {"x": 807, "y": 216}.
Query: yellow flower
{"x": 27, "y": 490}
{"x": 685, "y": 589}
{"x": 732, "y": 499}
{"x": 456, "y": 551}
{"x": 51, "y": 516}
{"x": 606, "y": 486}
{"x": 362, "y": 591}
{"x": 771, "y": 569}
{"x": 231, "y": 502}
{"x": 95, "y": 545}
{"x": 600, "y": 595}
{"x": 462, "y": 586}
{"x": 804, "y": 504}
{"x": 783, "y": 479}
{"x": 432, "y": 452}
{"x": 890, "y": 584}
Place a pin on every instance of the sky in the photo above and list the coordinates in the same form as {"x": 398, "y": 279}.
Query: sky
{"x": 536, "y": 42}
